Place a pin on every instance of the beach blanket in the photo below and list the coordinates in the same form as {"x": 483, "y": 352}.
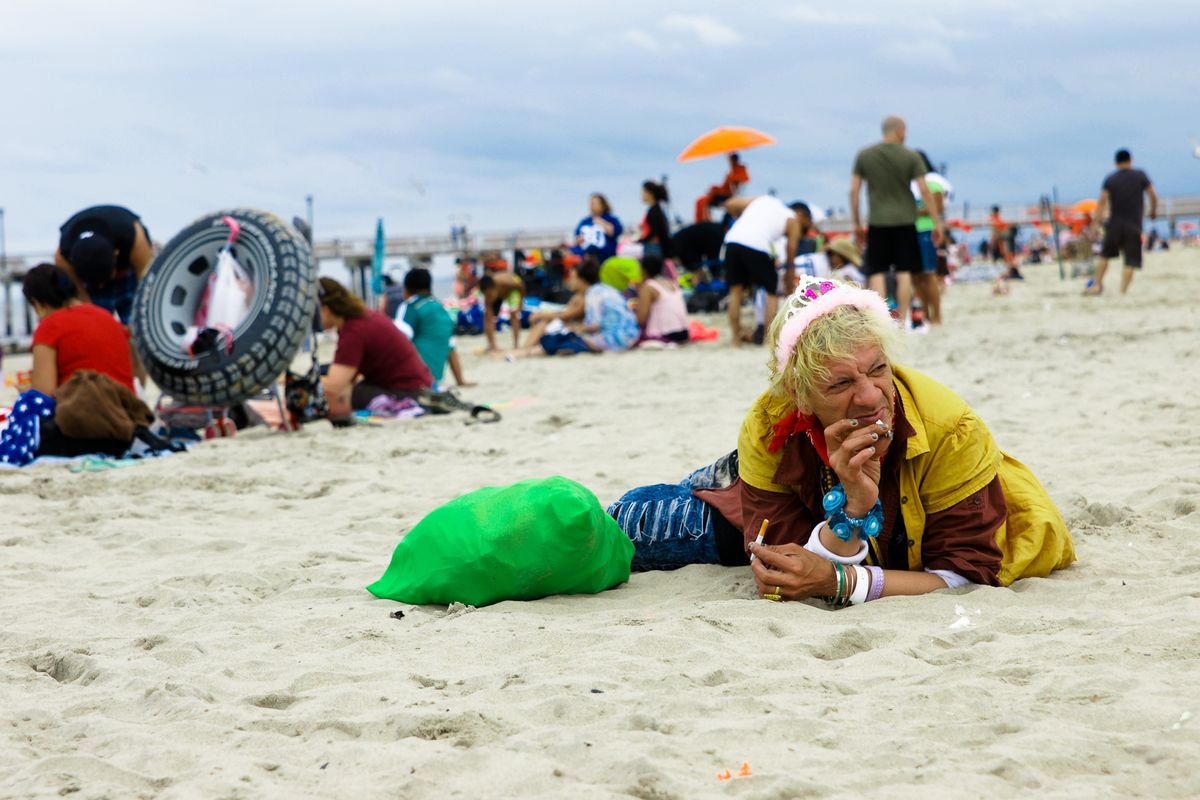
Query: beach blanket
{"x": 21, "y": 435}
{"x": 21, "y": 438}
{"x": 396, "y": 408}
{"x": 529, "y": 540}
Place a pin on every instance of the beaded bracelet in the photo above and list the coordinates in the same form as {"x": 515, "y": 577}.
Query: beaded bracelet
{"x": 876, "y": 583}
{"x": 843, "y": 525}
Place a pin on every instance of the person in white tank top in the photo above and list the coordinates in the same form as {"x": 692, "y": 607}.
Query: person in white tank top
{"x": 749, "y": 264}
{"x": 662, "y": 311}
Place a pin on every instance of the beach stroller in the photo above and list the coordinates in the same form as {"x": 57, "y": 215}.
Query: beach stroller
{"x": 223, "y": 306}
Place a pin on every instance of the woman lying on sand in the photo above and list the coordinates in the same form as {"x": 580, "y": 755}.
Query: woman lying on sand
{"x": 868, "y": 479}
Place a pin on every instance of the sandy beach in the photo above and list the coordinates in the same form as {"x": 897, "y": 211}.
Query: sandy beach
{"x": 197, "y": 626}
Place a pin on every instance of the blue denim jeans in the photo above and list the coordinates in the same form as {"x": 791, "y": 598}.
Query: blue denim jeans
{"x": 668, "y": 527}
{"x": 929, "y": 256}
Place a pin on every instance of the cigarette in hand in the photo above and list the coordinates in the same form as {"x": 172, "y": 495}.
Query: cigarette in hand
{"x": 762, "y": 532}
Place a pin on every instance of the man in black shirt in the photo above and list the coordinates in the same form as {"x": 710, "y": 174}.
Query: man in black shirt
{"x": 1121, "y": 194}
{"x": 107, "y": 250}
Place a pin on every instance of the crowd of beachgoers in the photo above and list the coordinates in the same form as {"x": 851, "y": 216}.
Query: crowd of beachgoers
{"x": 613, "y": 288}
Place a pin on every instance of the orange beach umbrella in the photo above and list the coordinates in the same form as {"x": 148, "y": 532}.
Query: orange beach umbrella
{"x": 724, "y": 140}
{"x": 1084, "y": 207}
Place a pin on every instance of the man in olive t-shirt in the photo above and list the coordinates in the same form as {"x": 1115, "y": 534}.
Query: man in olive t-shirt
{"x": 891, "y": 235}
{"x": 1122, "y": 193}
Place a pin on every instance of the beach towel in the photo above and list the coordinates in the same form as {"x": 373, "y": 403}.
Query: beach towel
{"x": 529, "y": 540}
{"x": 384, "y": 405}
{"x": 21, "y": 436}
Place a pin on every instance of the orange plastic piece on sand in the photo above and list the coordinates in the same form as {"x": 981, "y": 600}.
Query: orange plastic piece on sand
{"x": 744, "y": 772}
{"x": 699, "y": 332}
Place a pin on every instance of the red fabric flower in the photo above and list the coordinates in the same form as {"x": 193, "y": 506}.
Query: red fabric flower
{"x": 795, "y": 423}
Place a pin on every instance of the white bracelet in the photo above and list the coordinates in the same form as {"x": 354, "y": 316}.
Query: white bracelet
{"x": 815, "y": 545}
{"x": 861, "y": 586}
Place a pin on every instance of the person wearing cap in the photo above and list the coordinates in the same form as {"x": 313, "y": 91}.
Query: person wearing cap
{"x": 927, "y": 282}
{"x": 845, "y": 261}
{"x": 749, "y": 264}
{"x": 869, "y": 478}
{"x": 106, "y": 250}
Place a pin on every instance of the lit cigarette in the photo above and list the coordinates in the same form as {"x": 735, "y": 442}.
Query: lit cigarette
{"x": 762, "y": 532}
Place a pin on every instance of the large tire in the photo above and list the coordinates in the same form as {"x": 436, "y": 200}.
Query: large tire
{"x": 280, "y": 264}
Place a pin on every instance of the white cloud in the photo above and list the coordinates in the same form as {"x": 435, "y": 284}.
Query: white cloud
{"x": 919, "y": 52}
{"x": 450, "y": 79}
{"x": 640, "y": 38}
{"x": 823, "y": 16}
{"x": 887, "y": 17}
{"x": 324, "y": 108}
{"x": 940, "y": 30}
{"x": 706, "y": 29}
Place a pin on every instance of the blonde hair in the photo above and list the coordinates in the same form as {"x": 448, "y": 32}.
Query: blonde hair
{"x": 836, "y": 336}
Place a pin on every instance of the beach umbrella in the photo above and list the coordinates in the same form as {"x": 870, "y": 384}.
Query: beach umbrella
{"x": 1084, "y": 207}
{"x": 724, "y": 140}
{"x": 377, "y": 260}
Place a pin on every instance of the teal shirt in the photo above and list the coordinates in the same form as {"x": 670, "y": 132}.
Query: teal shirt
{"x": 432, "y": 328}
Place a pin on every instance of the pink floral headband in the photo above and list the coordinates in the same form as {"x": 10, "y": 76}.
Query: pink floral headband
{"x": 815, "y": 298}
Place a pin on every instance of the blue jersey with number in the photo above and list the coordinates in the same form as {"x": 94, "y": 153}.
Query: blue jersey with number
{"x": 595, "y": 240}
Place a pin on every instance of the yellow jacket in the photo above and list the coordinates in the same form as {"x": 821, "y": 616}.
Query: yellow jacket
{"x": 951, "y": 456}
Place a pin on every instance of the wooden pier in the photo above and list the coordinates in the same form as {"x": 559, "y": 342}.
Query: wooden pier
{"x": 357, "y": 252}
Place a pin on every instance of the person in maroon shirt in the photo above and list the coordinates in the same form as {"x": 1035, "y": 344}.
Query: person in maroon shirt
{"x": 372, "y": 358}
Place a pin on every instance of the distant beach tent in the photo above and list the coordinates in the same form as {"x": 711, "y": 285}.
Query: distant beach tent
{"x": 724, "y": 140}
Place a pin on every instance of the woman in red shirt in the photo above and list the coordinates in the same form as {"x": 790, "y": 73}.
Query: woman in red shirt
{"x": 72, "y": 335}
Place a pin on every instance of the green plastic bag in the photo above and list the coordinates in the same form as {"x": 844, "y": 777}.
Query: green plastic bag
{"x": 521, "y": 542}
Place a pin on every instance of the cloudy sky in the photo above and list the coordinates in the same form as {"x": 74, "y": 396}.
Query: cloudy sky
{"x": 509, "y": 113}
